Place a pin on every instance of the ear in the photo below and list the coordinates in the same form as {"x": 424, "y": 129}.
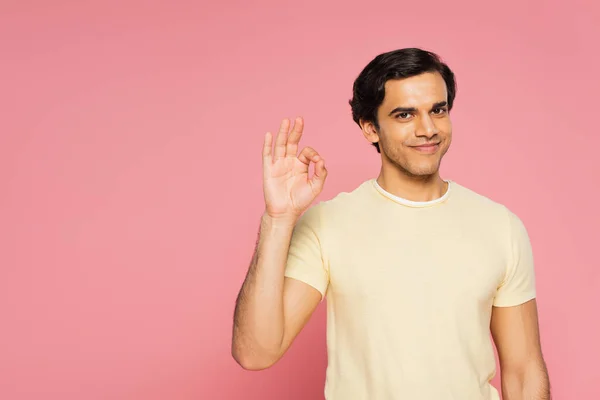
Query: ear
{"x": 369, "y": 131}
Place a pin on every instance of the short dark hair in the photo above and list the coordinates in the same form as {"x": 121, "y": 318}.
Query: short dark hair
{"x": 369, "y": 87}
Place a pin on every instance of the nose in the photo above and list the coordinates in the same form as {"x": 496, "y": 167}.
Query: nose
{"x": 427, "y": 127}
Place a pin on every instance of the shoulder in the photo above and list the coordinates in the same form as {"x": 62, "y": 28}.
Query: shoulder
{"x": 347, "y": 201}
{"x": 479, "y": 203}
{"x": 474, "y": 198}
{"x": 343, "y": 205}
{"x": 491, "y": 213}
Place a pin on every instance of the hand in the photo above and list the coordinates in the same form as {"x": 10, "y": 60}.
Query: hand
{"x": 288, "y": 190}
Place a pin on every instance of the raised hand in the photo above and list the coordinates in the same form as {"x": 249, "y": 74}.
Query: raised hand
{"x": 288, "y": 189}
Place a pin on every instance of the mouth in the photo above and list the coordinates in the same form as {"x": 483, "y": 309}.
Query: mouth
{"x": 427, "y": 148}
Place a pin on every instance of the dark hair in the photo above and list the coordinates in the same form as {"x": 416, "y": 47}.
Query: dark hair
{"x": 369, "y": 87}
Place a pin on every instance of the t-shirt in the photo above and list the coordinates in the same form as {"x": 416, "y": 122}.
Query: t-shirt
{"x": 410, "y": 288}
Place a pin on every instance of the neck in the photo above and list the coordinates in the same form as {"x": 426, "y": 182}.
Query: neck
{"x": 413, "y": 188}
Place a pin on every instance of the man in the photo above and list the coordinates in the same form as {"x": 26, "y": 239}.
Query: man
{"x": 417, "y": 270}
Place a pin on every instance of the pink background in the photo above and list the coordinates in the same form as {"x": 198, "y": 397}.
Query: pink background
{"x": 130, "y": 170}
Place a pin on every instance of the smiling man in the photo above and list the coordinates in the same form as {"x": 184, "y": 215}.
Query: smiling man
{"x": 418, "y": 271}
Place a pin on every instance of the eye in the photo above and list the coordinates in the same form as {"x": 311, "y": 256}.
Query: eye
{"x": 439, "y": 111}
{"x": 403, "y": 115}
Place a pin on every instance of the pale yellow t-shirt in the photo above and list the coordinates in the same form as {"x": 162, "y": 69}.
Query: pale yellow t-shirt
{"x": 410, "y": 288}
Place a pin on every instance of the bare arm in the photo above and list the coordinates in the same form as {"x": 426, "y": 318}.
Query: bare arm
{"x": 516, "y": 333}
{"x": 272, "y": 309}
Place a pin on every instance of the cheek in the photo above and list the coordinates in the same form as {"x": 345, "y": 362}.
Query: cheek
{"x": 397, "y": 134}
{"x": 445, "y": 127}
{"x": 449, "y": 136}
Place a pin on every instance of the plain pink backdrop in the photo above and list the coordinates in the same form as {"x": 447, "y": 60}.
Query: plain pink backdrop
{"x": 130, "y": 171}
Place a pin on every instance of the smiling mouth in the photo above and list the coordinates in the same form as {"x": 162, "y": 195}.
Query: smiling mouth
{"x": 427, "y": 148}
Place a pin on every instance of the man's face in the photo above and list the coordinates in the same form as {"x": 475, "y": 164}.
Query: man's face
{"x": 415, "y": 128}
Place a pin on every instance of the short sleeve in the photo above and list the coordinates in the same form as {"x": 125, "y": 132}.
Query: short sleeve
{"x": 518, "y": 286}
{"x": 305, "y": 260}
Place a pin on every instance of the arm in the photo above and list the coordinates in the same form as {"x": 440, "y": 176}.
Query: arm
{"x": 514, "y": 323}
{"x": 270, "y": 309}
{"x": 516, "y": 334}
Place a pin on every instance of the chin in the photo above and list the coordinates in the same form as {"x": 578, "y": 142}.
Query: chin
{"x": 418, "y": 167}
{"x": 421, "y": 170}
{"x": 423, "y": 173}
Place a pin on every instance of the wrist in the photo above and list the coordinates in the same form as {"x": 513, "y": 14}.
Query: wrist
{"x": 279, "y": 221}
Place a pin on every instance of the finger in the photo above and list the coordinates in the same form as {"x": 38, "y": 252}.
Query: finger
{"x": 319, "y": 176}
{"x": 267, "y": 144}
{"x": 281, "y": 140}
{"x": 294, "y": 137}
{"x": 307, "y": 155}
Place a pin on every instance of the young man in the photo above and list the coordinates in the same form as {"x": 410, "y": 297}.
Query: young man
{"x": 417, "y": 270}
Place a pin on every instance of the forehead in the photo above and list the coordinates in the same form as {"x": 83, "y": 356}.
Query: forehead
{"x": 417, "y": 91}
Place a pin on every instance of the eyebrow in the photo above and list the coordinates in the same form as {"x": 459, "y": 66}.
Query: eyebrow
{"x": 413, "y": 109}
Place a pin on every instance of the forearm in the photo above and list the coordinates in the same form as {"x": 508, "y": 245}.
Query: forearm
{"x": 530, "y": 384}
{"x": 259, "y": 318}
